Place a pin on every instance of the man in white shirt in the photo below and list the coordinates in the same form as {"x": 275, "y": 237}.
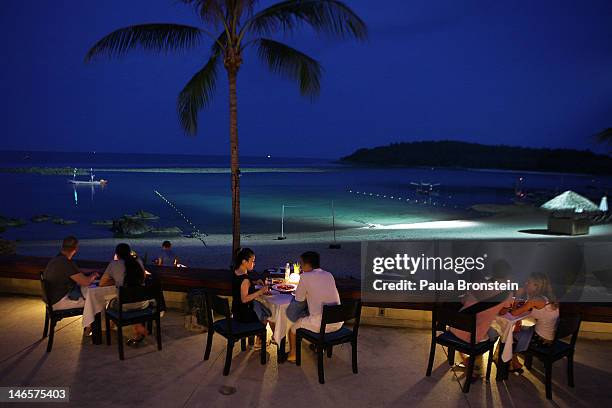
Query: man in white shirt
{"x": 317, "y": 287}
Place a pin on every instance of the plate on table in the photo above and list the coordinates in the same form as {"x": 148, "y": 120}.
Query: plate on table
{"x": 270, "y": 292}
{"x": 284, "y": 287}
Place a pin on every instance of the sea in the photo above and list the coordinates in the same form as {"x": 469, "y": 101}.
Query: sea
{"x": 281, "y": 195}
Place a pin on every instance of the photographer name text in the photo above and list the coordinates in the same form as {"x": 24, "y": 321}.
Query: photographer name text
{"x": 426, "y": 285}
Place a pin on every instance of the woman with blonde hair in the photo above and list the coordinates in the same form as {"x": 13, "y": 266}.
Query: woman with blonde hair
{"x": 540, "y": 305}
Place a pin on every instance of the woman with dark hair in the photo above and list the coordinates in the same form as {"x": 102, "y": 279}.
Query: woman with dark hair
{"x": 126, "y": 269}
{"x": 244, "y": 309}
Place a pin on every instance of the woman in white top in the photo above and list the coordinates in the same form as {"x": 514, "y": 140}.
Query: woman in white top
{"x": 542, "y": 307}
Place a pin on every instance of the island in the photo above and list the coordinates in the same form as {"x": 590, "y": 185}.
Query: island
{"x": 454, "y": 154}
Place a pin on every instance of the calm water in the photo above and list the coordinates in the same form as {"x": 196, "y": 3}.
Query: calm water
{"x": 199, "y": 187}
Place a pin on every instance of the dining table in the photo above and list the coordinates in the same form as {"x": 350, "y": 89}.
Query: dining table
{"x": 96, "y": 298}
{"x": 504, "y": 325}
{"x": 278, "y": 302}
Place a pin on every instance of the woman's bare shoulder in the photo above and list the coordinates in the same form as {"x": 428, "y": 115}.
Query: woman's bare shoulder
{"x": 537, "y": 302}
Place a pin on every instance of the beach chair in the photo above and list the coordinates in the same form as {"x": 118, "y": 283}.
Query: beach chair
{"x": 602, "y": 218}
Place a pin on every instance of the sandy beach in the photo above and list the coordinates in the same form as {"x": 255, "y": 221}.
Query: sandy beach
{"x": 510, "y": 223}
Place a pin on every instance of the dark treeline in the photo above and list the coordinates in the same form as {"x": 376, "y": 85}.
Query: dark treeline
{"x": 474, "y": 155}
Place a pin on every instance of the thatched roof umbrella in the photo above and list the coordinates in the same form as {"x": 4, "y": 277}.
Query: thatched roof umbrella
{"x": 570, "y": 201}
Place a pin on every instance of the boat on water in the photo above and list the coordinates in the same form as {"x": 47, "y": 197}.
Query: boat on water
{"x": 91, "y": 182}
{"x": 426, "y": 188}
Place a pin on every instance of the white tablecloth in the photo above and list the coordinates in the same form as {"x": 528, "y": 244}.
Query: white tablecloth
{"x": 504, "y": 325}
{"x": 95, "y": 301}
{"x": 278, "y": 304}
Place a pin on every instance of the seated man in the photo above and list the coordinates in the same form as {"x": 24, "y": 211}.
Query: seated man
{"x": 317, "y": 287}
{"x": 63, "y": 278}
{"x": 500, "y": 272}
{"x": 166, "y": 257}
{"x": 484, "y": 319}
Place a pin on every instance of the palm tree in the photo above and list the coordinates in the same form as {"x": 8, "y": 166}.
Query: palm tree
{"x": 238, "y": 26}
{"x": 605, "y": 136}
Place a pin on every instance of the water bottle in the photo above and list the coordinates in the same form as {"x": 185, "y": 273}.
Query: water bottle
{"x": 287, "y": 271}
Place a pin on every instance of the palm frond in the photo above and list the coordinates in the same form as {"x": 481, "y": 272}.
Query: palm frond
{"x": 605, "y": 136}
{"x": 331, "y": 17}
{"x": 197, "y": 94}
{"x": 241, "y": 7}
{"x": 210, "y": 11}
{"x": 246, "y": 6}
{"x": 293, "y": 64}
{"x": 149, "y": 37}
{"x": 220, "y": 44}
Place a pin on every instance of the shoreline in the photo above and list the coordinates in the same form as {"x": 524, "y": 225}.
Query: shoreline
{"x": 336, "y": 165}
{"x": 68, "y": 171}
{"x": 344, "y": 262}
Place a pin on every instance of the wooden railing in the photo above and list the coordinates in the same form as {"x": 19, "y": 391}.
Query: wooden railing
{"x": 219, "y": 280}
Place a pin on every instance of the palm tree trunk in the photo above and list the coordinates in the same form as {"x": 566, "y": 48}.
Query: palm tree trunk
{"x": 232, "y": 74}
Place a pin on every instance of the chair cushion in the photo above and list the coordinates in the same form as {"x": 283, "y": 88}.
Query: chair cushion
{"x": 132, "y": 314}
{"x": 238, "y": 328}
{"x": 560, "y": 348}
{"x": 449, "y": 339}
{"x": 61, "y": 313}
{"x": 338, "y": 335}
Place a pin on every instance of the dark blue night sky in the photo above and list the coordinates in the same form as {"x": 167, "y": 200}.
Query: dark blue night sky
{"x": 535, "y": 73}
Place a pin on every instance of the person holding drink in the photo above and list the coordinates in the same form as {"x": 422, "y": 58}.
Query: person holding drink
{"x": 542, "y": 306}
{"x": 244, "y": 307}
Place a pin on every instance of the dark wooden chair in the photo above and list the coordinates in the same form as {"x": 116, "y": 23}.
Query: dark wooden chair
{"x": 54, "y": 316}
{"x": 326, "y": 341}
{"x": 568, "y": 326}
{"x": 231, "y": 329}
{"x": 127, "y": 318}
{"x": 445, "y": 316}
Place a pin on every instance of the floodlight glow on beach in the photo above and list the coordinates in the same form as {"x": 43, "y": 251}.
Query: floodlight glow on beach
{"x": 426, "y": 225}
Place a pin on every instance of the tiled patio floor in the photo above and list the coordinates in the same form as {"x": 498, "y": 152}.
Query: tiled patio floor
{"x": 392, "y": 365}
